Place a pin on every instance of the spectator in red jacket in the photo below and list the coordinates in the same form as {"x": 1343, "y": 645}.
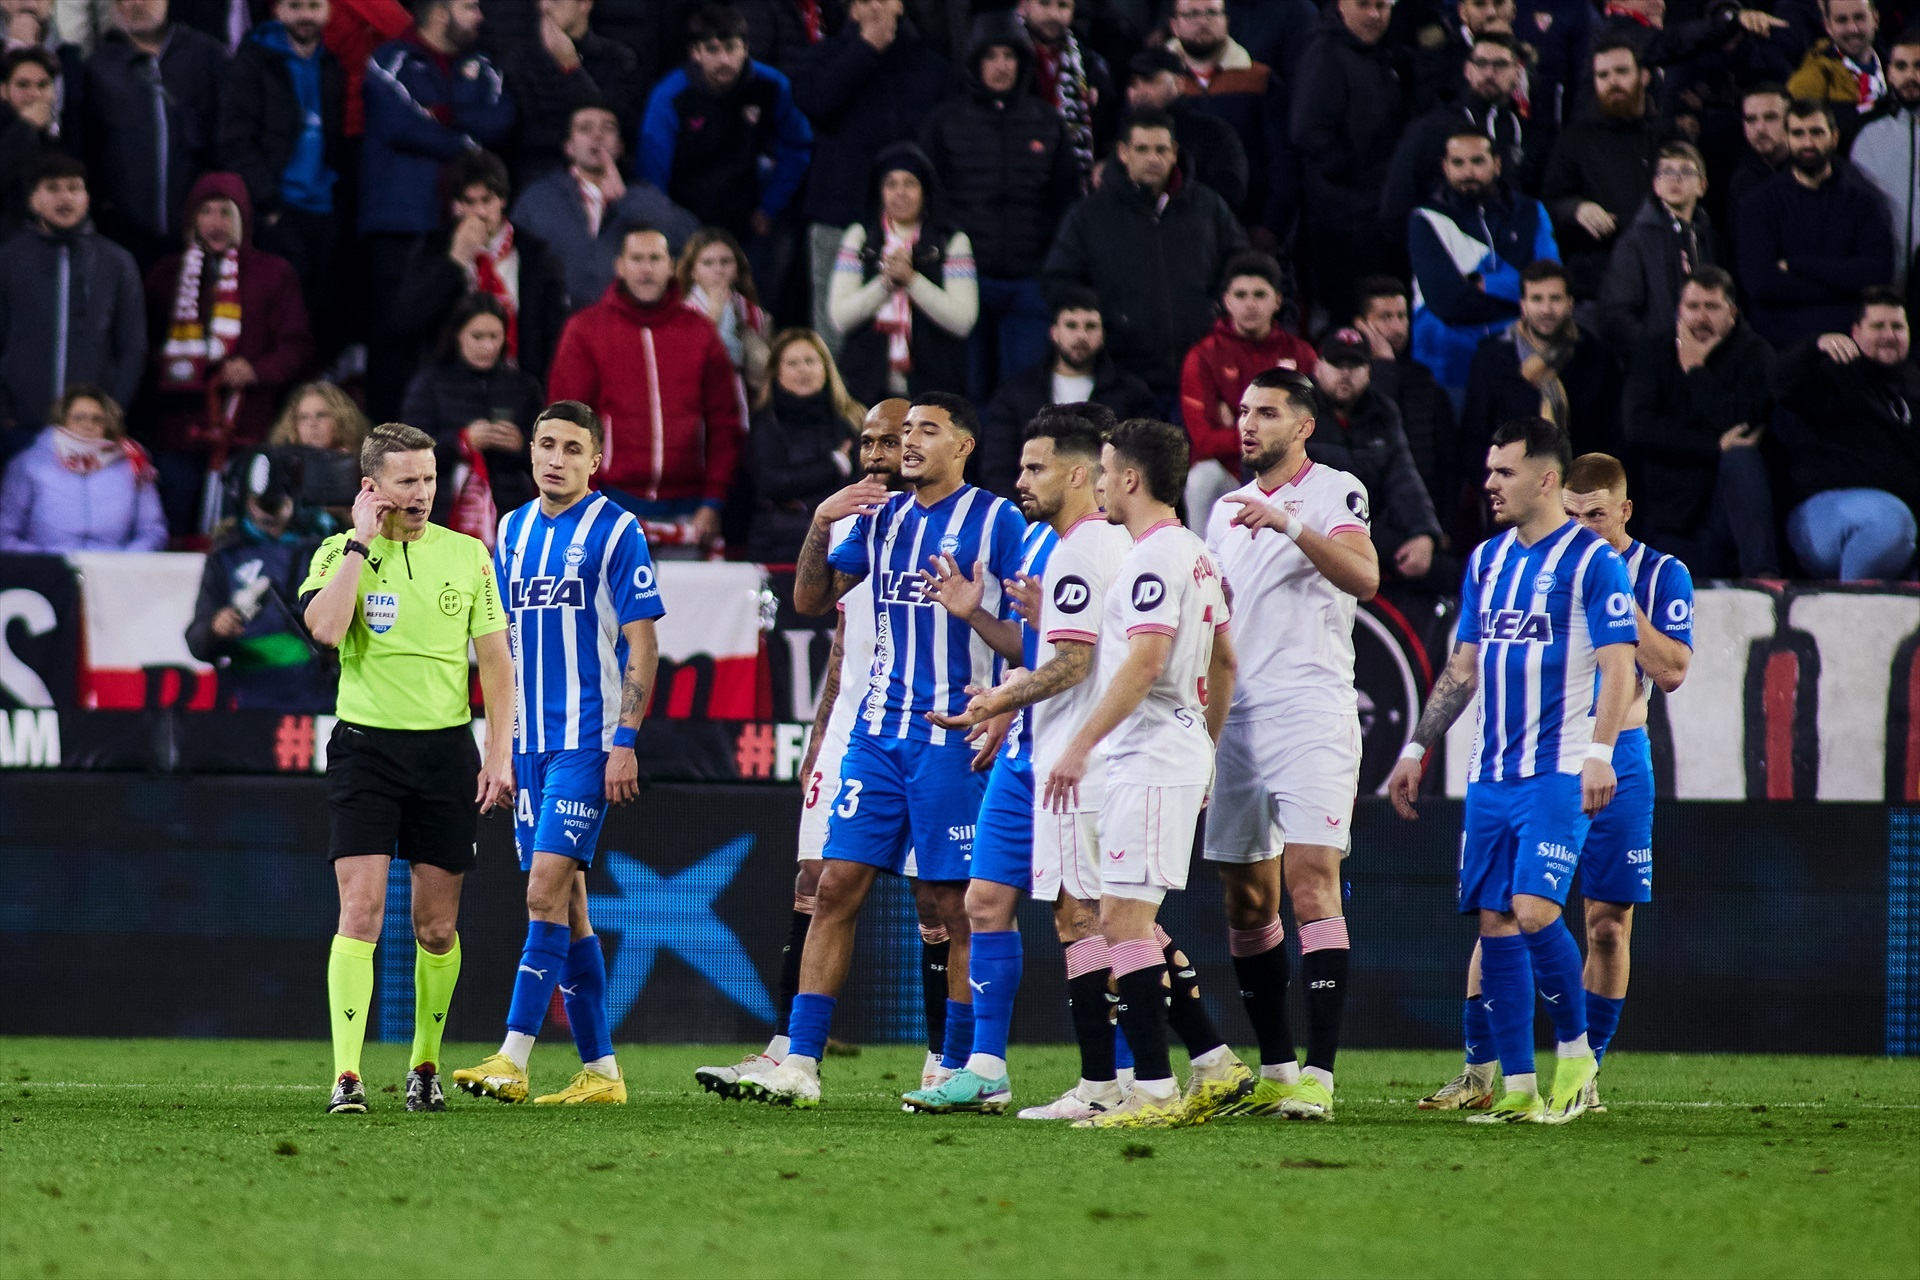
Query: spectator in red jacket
{"x": 1245, "y": 341}
{"x": 222, "y": 317}
{"x": 658, "y": 375}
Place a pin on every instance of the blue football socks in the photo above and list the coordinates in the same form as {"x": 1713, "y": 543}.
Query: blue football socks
{"x": 1603, "y": 1019}
{"x": 993, "y": 968}
{"x": 1477, "y": 1029}
{"x": 1506, "y": 989}
{"x": 959, "y": 1035}
{"x": 541, "y": 961}
{"x": 1556, "y": 972}
{"x": 583, "y": 990}
{"x": 807, "y": 1024}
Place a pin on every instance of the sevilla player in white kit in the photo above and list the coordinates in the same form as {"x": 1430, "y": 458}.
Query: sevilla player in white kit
{"x": 1166, "y": 671}
{"x": 1297, "y": 557}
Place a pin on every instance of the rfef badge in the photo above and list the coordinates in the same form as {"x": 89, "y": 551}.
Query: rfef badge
{"x": 382, "y": 611}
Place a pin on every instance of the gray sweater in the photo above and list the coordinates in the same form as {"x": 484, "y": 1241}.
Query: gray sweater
{"x": 552, "y": 209}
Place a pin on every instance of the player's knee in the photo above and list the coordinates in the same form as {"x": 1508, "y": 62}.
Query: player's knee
{"x": 1535, "y": 914}
{"x": 1607, "y": 932}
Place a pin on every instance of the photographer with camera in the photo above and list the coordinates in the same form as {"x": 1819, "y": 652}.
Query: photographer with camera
{"x": 243, "y": 621}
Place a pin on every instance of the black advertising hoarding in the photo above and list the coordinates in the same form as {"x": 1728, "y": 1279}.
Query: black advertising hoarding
{"x": 203, "y": 907}
{"x": 39, "y": 633}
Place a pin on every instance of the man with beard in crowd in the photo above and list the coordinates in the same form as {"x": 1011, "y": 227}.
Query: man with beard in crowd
{"x": 1490, "y": 74}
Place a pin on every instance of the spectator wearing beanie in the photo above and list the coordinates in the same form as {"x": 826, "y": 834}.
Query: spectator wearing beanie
{"x": 904, "y": 294}
{"x": 1002, "y": 160}
{"x": 1245, "y": 341}
{"x": 658, "y": 375}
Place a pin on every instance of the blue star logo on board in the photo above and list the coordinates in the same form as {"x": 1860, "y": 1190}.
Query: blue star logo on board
{"x": 676, "y": 912}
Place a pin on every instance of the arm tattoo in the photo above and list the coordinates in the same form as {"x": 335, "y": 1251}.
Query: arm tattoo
{"x": 1067, "y": 668}
{"x": 636, "y": 694}
{"x": 829, "y": 688}
{"x": 1449, "y": 697}
{"x": 812, "y": 574}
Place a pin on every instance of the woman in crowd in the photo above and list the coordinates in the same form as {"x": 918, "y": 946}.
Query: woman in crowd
{"x": 479, "y": 406}
{"x": 904, "y": 290}
{"x": 83, "y": 485}
{"x": 716, "y": 281}
{"x": 319, "y": 432}
{"x": 804, "y": 428}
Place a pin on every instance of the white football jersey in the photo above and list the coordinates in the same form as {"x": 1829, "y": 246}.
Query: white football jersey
{"x": 1294, "y": 640}
{"x": 1072, "y": 602}
{"x": 857, "y": 644}
{"x": 1167, "y": 583}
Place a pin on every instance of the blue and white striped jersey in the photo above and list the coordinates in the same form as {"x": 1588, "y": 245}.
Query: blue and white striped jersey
{"x": 923, "y": 658}
{"x": 1538, "y": 614}
{"x": 570, "y": 583}
{"x": 1035, "y": 552}
{"x": 1663, "y": 588}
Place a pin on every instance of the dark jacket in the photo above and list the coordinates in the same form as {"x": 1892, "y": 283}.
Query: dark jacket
{"x": 137, "y": 185}
{"x": 1609, "y": 162}
{"x": 272, "y": 665}
{"x": 106, "y": 338}
{"x": 1156, "y": 271}
{"x": 1497, "y": 392}
{"x": 274, "y": 334}
{"x": 1848, "y": 426}
{"x": 1026, "y": 394}
{"x": 553, "y": 210}
{"x": 544, "y": 96}
{"x": 1426, "y": 418}
{"x": 1651, "y": 259}
{"x": 792, "y": 448}
{"x": 1415, "y": 170}
{"x": 1212, "y": 152}
{"x": 1349, "y": 110}
{"x": 861, "y": 100}
{"x": 1467, "y": 258}
{"x": 443, "y": 399}
{"x": 1749, "y": 173}
{"x": 1251, "y": 99}
{"x": 422, "y": 111}
{"x": 1370, "y": 446}
{"x": 939, "y": 357}
{"x": 1674, "y": 421}
{"x": 777, "y": 29}
{"x": 435, "y": 283}
{"x": 1836, "y": 240}
{"x": 261, "y": 121}
{"x": 725, "y": 155}
{"x": 21, "y": 145}
{"x": 1003, "y": 161}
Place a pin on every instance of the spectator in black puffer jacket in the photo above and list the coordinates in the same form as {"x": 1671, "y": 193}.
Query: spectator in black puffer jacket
{"x": 1350, "y": 106}
{"x": 1001, "y": 155}
{"x": 801, "y": 450}
{"x": 557, "y": 71}
{"x": 1151, "y": 244}
{"x": 780, "y": 31}
{"x": 474, "y": 401}
{"x": 863, "y": 90}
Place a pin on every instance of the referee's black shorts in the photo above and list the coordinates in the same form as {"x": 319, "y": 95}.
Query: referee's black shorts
{"x": 404, "y": 793}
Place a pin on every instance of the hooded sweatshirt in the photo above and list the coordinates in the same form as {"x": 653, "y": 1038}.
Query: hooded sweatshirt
{"x": 1217, "y": 372}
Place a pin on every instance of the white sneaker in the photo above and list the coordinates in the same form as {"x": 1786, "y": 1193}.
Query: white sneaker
{"x": 725, "y": 1081}
{"x": 780, "y": 1085}
{"x": 1072, "y": 1106}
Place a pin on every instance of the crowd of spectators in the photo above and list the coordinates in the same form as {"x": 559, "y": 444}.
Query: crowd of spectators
{"x": 232, "y": 232}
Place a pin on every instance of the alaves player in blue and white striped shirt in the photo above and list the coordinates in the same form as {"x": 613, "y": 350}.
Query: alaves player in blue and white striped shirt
{"x": 581, "y": 596}
{"x": 1546, "y": 637}
{"x": 904, "y": 775}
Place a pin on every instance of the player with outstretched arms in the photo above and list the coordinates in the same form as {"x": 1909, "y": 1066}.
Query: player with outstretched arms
{"x": 1294, "y": 548}
{"x": 1166, "y": 676}
{"x": 583, "y": 603}
{"x": 1616, "y": 864}
{"x": 1546, "y": 639}
{"x": 906, "y": 782}
{"x": 849, "y": 667}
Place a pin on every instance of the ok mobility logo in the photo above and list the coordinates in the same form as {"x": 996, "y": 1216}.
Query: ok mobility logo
{"x": 651, "y": 912}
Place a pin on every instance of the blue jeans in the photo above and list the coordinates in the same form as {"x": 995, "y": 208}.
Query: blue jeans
{"x": 1854, "y": 535}
{"x": 1009, "y": 338}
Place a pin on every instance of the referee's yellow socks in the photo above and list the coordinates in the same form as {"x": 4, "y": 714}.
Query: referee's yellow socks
{"x": 434, "y": 978}
{"x": 349, "y": 997}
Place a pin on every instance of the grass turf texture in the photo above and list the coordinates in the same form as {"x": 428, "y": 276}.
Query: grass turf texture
{"x": 212, "y": 1158}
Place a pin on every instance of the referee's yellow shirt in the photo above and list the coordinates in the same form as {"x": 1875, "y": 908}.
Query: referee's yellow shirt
{"x": 403, "y": 660}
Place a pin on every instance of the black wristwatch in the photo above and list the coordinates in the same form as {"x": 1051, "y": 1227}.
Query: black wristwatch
{"x": 353, "y": 546}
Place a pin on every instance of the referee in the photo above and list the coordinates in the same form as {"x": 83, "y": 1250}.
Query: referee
{"x": 400, "y": 598}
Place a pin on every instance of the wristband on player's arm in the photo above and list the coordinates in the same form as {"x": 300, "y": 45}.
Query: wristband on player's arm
{"x": 625, "y": 736}
{"x": 1415, "y": 752}
{"x": 1601, "y": 751}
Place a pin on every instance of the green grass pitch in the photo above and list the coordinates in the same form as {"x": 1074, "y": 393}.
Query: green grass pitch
{"x": 212, "y": 1158}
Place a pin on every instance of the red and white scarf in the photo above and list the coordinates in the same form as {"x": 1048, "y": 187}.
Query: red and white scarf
{"x": 488, "y": 279}
{"x": 195, "y": 345}
{"x": 83, "y": 455}
{"x": 895, "y": 317}
{"x": 473, "y": 512}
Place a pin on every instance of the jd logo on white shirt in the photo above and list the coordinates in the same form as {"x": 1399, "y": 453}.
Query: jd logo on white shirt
{"x": 1148, "y": 591}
